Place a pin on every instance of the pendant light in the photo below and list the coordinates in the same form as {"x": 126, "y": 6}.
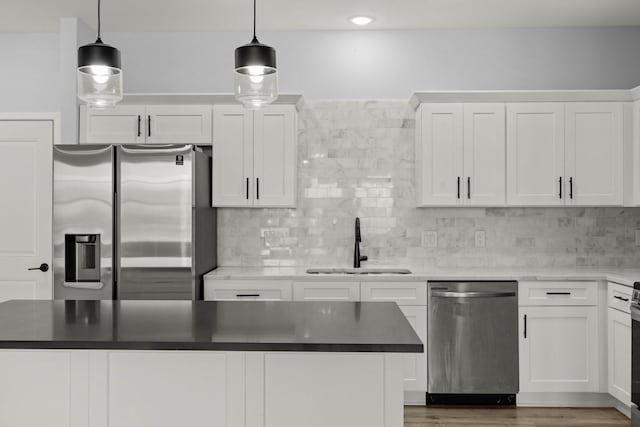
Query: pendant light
{"x": 256, "y": 77}
{"x": 99, "y": 73}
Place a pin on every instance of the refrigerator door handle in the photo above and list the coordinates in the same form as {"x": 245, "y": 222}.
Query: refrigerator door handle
{"x": 84, "y": 285}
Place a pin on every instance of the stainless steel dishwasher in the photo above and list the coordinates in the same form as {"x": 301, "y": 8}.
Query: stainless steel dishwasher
{"x": 473, "y": 342}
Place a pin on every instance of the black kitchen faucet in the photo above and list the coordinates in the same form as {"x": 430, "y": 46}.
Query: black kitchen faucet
{"x": 356, "y": 250}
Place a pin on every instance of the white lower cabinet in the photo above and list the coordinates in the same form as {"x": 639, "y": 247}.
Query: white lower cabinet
{"x": 619, "y": 328}
{"x": 326, "y": 291}
{"x": 559, "y": 349}
{"x": 229, "y": 290}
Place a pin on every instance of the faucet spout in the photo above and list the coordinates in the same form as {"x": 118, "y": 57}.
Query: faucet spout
{"x": 357, "y": 259}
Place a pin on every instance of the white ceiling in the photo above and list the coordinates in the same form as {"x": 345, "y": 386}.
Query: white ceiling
{"x": 229, "y": 15}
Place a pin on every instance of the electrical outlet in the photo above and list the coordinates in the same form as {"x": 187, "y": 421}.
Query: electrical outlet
{"x": 637, "y": 237}
{"x": 430, "y": 239}
{"x": 480, "y": 239}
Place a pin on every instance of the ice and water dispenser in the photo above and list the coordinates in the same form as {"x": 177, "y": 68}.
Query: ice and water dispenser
{"x": 82, "y": 258}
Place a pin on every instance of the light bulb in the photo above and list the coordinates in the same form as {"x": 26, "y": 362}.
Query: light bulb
{"x": 100, "y": 73}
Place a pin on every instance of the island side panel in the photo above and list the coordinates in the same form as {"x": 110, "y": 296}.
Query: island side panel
{"x": 167, "y": 388}
{"x": 290, "y": 389}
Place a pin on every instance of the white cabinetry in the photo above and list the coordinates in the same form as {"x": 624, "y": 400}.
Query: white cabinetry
{"x": 561, "y": 154}
{"x": 559, "y": 349}
{"x": 326, "y": 291}
{"x": 535, "y": 153}
{"x": 254, "y": 156}
{"x": 559, "y": 336}
{"x": 593, "y": 153}
{"x": 225, "y": 290}
{"x": 141, "y": 124}
{"x": 619, "y": 346}
{"x": 460, "y": 154}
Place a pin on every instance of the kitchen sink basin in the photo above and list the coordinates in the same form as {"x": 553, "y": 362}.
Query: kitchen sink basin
{"x": 372, "y": 270}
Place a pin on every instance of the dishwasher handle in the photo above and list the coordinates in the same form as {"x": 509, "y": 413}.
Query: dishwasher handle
{"x": 471, "y": 294}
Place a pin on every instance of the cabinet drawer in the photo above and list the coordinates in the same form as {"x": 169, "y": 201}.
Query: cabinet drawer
{"x": 557, "y": 293}
{"x": 326, "y": 291}
{"x": 402, "y": 293}
{"x": 619, "y": 297}
{"x": 226, "y": 290}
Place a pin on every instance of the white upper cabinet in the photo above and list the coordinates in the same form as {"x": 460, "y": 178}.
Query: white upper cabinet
{"x": 124, "y": 124}
{"x": 460, "y": 154}
{"x": 140, "y": 124}
{"x": 439, "y": 148}
{"x": 535, "y": 154}
{"x": 274, "y": 156}
{"x": 254, "y": 156}
{"x": 232, "y": 156}
{"x": 484, "y": 154}
{"x": 593, "y": 153}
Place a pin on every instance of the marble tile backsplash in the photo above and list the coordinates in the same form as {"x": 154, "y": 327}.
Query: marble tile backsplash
{"x": 356, "y": 158}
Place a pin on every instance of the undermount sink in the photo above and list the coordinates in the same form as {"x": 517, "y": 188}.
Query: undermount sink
{"x": 372, "y": 270}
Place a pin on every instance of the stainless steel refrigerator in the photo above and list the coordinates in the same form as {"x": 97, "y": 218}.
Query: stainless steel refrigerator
{"x": 132, "y": 221}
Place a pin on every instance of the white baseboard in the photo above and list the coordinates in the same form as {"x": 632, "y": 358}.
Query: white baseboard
{"x": 413, "y": 398}
{"x": 566, "y": 399}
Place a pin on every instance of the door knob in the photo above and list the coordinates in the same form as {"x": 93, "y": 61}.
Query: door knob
{"x": 43, "y": 267}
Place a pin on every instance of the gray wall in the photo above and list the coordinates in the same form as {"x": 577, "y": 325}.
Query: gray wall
{"x": 356, "y": 158}
{"x": 29, "y": 74}
{"x": 334, "y": 64}
{"x": 390, "y": 64}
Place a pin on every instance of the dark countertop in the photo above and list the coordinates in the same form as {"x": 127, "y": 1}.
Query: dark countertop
{"x": 207, "y": 325}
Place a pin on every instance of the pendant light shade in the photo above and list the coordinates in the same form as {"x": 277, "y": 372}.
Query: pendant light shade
{"x": 99, "y": 73}
{"x": 256, "y": 76}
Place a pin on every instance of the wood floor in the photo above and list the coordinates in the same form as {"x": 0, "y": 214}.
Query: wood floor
{"x": 420, "y": 416}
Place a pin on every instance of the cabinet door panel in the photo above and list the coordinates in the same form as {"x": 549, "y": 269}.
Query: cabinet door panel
{"x": 179, "y": 124}
{"x": 326, "y": 291}
{"x": 619, "y": 355}
{"x": 560, "y": 351}
{"x": 232, "y": 156}
{"x": 535, "y": 153}
{"x": 439, "y": 146}
{"x": 594, "y": 153}
{"x": 415, "y": 365}
{"x": 124, "y": 124}
{"x": 275, "y": 156}
{"x": 484, "y": 154}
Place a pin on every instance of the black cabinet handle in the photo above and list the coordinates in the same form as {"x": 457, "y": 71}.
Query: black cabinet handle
{"x": 458, "y": 187}
{"x": 621, "y": 298}
{"x": 571, "y": 187}
{"x": 247, "y": 188}
{"x": 139, "y": 123}
{"x": 257, "y": 188}
{"x": 525, "y": 326}
{"x": 149, "y": 123}
{"x": 560, "y": 192}
{"x": 43, "y": 267}
{"x": 247, "y": 295}
{"x": 558, "y": 293}
{"x": 468, "y": 187}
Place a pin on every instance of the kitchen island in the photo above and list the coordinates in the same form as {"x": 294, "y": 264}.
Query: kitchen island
{"x": 169, "y": 363}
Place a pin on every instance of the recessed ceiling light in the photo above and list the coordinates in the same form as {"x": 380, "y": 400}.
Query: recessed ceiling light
{"x": 361, "y": 20}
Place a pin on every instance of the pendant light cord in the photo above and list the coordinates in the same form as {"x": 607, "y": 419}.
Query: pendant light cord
{"x": 99, "y": 29}
{"x": 254, "y": 20}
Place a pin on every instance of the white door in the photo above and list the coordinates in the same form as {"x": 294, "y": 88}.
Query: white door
{"x": 535, "y": 154}
{"x": 415, "y": 364}
{"x": 178, "y": 124}
{"x": 593, "y": 153}
{"x": 26, "y": 210}
{"x": 124, "y": 124}
{"x": 560, "y": 350}
{"x": 484, "y": 154}
{"x": 275, "y": 157}
{"x": 439, "y": 145}
{"x": 232, "y": 154}
{"x": 619, "y": 355}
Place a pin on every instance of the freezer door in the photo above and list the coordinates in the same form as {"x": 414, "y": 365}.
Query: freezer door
{"x": 154, "y": 222}
{"x": 83, "y": 222}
